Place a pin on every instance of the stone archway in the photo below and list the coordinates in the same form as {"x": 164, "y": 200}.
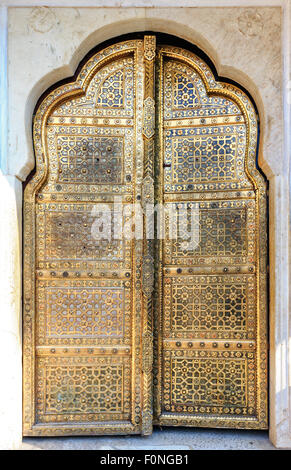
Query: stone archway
{"x": 266, "y": 96}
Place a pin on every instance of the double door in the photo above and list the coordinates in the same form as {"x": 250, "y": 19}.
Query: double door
{"x": 145, "y": 244}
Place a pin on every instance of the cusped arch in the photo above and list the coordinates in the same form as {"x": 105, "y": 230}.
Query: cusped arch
{"x": 212, "y": 86}
{"x": 126, "y": 27}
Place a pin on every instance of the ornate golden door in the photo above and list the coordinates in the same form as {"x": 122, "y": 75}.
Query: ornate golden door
{"x": 98, "y": 289}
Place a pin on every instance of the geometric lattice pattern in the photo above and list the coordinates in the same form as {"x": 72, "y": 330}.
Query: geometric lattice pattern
{"x": 77, "y": 389}
{"x": 208, "y": 382}
{"x": 209, "y": 307}
{"x": 185, "y": 94}
{"x": 203, "y": 158}
{"x": 90, "y": 159}
{"x": 111, "y": 91}
{"x": 86, "y": 312}
{"x": 81, "y": 235}
{"x": 222, "y": 232}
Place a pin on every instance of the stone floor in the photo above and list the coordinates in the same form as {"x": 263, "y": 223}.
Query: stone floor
{"x": 161, "y": 439}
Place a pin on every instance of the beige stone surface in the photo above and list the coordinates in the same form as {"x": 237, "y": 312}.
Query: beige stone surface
{"x": 161, "y": 439}
{"x": 10, "y": 312}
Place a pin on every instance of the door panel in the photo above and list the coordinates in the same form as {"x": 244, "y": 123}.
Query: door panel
{"x": 211, "y": 348}
{"x": 84, "y": 308}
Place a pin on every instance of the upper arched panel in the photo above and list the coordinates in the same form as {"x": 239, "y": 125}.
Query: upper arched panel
{"x": 104, "y": 89}
{"x": 71, "y": 143}
{"x": 210, "y": 125}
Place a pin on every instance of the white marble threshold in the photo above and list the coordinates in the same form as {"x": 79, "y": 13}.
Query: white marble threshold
{"x": 161, "y": 439}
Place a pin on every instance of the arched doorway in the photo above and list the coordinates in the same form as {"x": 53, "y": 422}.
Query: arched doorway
{"x": 127, "y": 321}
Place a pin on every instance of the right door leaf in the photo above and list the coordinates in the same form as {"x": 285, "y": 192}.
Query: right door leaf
{"x": 212, "y": 352}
